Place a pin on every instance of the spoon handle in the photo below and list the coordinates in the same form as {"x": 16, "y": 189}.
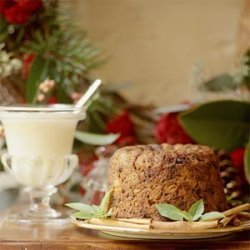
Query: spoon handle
{"x": 88, "y": 94}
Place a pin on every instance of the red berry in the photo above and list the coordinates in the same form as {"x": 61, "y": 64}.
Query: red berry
{"x": 169, "y": 130}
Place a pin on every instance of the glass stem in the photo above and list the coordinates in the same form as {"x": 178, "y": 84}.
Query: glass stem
{"x": 40, "y": 201}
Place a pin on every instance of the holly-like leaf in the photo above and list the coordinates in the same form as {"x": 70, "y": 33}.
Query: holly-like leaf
{"x": 220, "y": 124}
{"x": 81, "y": 207}
{"x": 196, "y": 210}
{"x": 96, "y": 139}
{"x": 247, "y": 162}
{"x": 212, "y": 216}
{"x": 170, "y": 211}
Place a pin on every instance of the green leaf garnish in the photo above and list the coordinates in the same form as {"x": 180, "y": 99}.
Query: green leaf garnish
{"x": 109, "y": 213}
{"x": 105, "y": 203}
{"x": 212, "y": 216}
{"x": 83, "y": 215}
{"x": 87, "y": 212}
{"x": 170, "y": 211}
{"x": 95, "y": 208}
{"x": 195, "y": 212}
{"x": 187, "y": 216}
{"x": 81, "y": 207}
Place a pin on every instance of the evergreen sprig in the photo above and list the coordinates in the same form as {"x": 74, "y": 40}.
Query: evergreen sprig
{"x": 66, "y": 55}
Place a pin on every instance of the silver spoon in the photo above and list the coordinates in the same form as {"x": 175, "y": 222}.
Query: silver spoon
{"x": 88, "y": 94}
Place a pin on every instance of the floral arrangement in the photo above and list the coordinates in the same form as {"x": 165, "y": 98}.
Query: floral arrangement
{"x": 48, "y": 46}
{"x": 47, "y": 59}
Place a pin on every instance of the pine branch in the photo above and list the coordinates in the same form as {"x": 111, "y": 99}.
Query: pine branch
{"x": 69, "y": 54}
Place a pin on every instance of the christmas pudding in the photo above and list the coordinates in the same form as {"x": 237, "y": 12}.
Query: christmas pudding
{"x": 145, "y": 175}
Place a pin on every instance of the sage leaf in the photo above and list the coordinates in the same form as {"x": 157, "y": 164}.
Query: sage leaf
{"x": 83, "y": 215}
{"x": 196, "y": 210}
{"x": 170, "y": 211}
{"x": 212, "y": 216}
{"x": 96, "y": 139}
{"x": 104, "y": 216}
{"x": 109, "y": 213}
{"x": 81, "y": 207}
{"x": 86, "y": 211}
{"x": 98, "y": 213}
{"x": 208, "y": 122}
{"x": 247, "y": 162}
{"x": 187, "y": 216}
{"x": 96, "y": 209}
{"x": 105, "y": 204}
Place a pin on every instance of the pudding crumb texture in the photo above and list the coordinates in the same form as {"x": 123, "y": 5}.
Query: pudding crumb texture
{"x": 144, "y": 175}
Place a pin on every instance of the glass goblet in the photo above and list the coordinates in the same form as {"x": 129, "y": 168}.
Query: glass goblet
{"x": 39, "y": 141}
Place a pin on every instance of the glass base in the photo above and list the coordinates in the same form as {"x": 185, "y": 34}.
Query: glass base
{"x": 40, "y": 178}
{"x": 40, "y": 211}
{"x": 29, "y": 217}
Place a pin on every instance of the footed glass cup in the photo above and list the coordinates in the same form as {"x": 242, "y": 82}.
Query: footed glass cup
{"x": 39, "y": 141}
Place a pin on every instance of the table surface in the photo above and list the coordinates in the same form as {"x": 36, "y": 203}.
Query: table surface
{"x": 55, "y": 237}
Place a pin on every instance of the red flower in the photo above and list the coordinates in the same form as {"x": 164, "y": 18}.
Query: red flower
{"x": 237, "y": 157}
{"x": 19, "y": 11}
{"x": 16, "y": 15}
{"x": 5, "y": 4}
{"x": 30, "y": 5}
{"x": 169, "y": 130}
{"x": 123, "y": 125}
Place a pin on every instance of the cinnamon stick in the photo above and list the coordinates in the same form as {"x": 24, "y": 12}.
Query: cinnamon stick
{"x": 244, "y": 215}
{"x": 226, "y": 220}
{"x": 142, "y": 221}
{"x": 116, "y": 223}
{"x": 184, "y": 225}
{"x": 236, "y": 222}
{"x": 237, "y": 209}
